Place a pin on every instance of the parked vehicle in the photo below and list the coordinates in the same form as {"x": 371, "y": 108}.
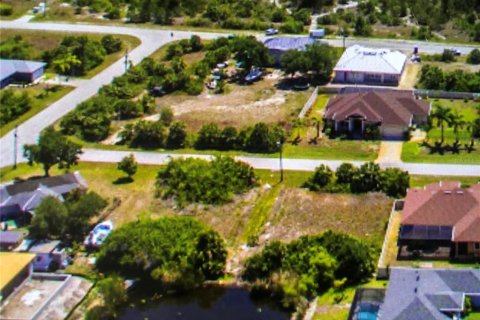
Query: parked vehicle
{"x": 318, "y": 33}
{"x": 157, "y": 92}
{"x": 254, "y": 75}
{"x": 455, "y": 51}
{"x": 301, "y": 84}
{"x": 98, "y": 235}
{"x": 271, "y": 32}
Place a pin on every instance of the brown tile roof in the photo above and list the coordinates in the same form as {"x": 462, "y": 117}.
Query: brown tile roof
{"x": 445, "y": 204}
{"x": 388, "y": 107}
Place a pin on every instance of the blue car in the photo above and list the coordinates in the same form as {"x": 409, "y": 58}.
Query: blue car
{"x": 254, "y": 75}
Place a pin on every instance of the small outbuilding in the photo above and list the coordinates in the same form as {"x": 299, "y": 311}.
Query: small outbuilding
{"x": 279, "y": 45}
{"x": 9, "y": 240}
{"x": 24, "y": 71}
{"x": 361, "y": 65}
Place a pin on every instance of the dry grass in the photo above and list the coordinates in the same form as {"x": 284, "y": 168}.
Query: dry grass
{"x": 410, "y": 76}
{"x": 20, "y": 7}
{"x": 240, "y": 107}
{"x": 299, "y": 212}
{"x": 392, "y": 248}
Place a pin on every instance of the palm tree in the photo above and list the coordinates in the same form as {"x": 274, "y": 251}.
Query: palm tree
{"x": 66, "y": 62}
{"x": 456, "y": 122}
{"x": 472, "y": 127}
{"x": 442, "y": 114}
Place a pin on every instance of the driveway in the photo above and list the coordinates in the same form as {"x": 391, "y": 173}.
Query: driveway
{"x": 390, "y": 152}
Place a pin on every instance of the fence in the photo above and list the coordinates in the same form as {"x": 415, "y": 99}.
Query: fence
{"x": 309, "y": 103}
{"x": 447, "y": 94}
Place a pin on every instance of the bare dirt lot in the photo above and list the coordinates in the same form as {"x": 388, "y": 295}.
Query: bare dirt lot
{"x": 242, "y": 105}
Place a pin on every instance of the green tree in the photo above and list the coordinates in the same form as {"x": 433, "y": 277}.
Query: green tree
{"x": 208, "y": 137}
{"x": 15, "y": 48}
{"x": 322, "y": 59}
{"x": 264, "y": 138}
{"x": 395, "y": 182}
{"x": 362, "y": 27}
{"x": 251, "y": 52}
{"x": 52, "y": 148}
{"x": 65, "y": 63}
{"x": 166, "y": 116}
{"x": 128, "y": 165}
{"x": 175, "y": 252}
{"x": 81, "y": 207}
{"x": 366, "y": 179}
{"x": 177, "y": 135}
{"x": 322, "y": 176}
{"x": 474, "y": 57}
{"x": 443, "y": 116}
{"x": 294, "y": 61}
{"x": 128, "y": 109}
{"x": 229, "y": 139}
{"x": 114, "y": 294}
{"x": 456, "y": 121}
{"x": 49, "y": 219}
{"x": 111, "y": 44}
{"x": 345, "y": 173}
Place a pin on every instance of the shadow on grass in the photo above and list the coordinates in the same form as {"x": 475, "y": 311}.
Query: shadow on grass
{"x": 123, "y": 180}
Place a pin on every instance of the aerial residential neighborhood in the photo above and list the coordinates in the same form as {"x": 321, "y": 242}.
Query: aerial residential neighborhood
{"x": 246, "y": 159}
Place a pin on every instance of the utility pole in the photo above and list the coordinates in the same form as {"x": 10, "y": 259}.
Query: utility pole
{"x": 15, "y": 136}
{"x": 126, "y": 60}
{"x": 280, "y": 147}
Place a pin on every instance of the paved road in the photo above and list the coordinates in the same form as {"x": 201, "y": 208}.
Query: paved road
{"x": 95, "y": 155}
{"x": 151, "y": 40}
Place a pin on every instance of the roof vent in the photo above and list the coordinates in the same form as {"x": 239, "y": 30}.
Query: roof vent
{"x": 418, "y": 277}
{"x": 447, "y": 192}
{"x": 415, "y": 290}
{"x": 459, "y": 191}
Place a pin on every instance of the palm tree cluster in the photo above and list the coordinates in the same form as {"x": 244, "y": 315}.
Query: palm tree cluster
{"x": 455, "y": 120}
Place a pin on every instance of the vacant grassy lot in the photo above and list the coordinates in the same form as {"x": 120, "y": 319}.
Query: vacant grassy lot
{"x": 42, "y": 96}
{"x": 298, "y": 212}
{"x": 48, "y": 40}
{"x": 20, "y": 7}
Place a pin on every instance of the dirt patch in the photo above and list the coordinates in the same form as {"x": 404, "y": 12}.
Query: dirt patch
{"x": 298, "y": 212}
{"x": 410, "y": 76}
{"x": 241, "y": 106}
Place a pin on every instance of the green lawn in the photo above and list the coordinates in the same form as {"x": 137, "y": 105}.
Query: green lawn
{"x": 415, "y": 152}
{"x": 41, "y": 99}
{"x": 48, "y": 40}
{"x": 473, "y": 316}
{"x": 333, "y": 149}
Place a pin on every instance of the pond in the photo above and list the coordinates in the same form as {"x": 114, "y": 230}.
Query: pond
{"x": 208, "y": 303}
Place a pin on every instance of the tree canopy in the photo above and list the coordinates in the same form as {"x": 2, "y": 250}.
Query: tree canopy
{"x": 52, "y": 148}
{"x": 178, "y": 252}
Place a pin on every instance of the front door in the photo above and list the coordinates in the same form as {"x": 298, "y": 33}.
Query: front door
{"x": 462, "y": 249}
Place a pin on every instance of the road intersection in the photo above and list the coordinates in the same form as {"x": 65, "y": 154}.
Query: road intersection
{"x": 151, "y": 40}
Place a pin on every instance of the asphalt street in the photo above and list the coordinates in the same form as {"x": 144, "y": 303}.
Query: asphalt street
{"x": 151, "y": 40}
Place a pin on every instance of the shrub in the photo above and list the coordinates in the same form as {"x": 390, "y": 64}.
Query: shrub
{"x": 127, "y": 109}
{"x": 195, "y": 180}
{"x": 264, "y": 138}
{"x": 175, "y": 252}
{"x": 13, "y": 105}
{"x": 208, "y": 137}
{"x": 166, "y": 116}
{"x": 5, "y": 9}
{"x": 144, "y": 134}
{"x": 474, "y": 57}
{"x": 322, "y": 176}
{"x": 345, "y": 173}
{"x": 177, "y": 136}
{"x": 111, "y": 44}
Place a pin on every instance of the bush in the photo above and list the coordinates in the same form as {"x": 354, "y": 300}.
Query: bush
{"x": 177, "y": 136}
{"x": 372, "y": 132}
{"x": 322, "y": 176}
{"x": 144, "y": 134}
{"x": 194, "y": 87}
{"x": 195, "y": 180}
{"x": 174, "y": 252}
{"x": 208, "y": 137}
{"x": 474, "y": 57}
{"x": 111, "y": 44}
{"x": 265, "y": 139}
{"x": 13, "y": 105}
{"x": 127, "y": 109}
{"x": 166, "y": 116}
{"x": 291, "y": 26}
{"x": 5, "y": 9}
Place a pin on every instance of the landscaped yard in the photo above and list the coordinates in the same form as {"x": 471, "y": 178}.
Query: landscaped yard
{"x": 48, "y": 40}
{"x": 416, "y": 152}
{"x": 42, "y": 96}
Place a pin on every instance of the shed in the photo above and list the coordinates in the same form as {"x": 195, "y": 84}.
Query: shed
{"x": 20, "y": 71}
{"x": 10, "y": 239}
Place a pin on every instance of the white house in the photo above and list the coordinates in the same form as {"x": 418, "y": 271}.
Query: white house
{"x": 361, "y": 65}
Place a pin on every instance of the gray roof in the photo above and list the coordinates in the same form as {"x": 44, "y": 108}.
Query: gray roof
{"x": 288, "y": 43}
{"x": 27, "y": 195}
{"x": 9, "y": 67}
{"x": 426, "y": 293}
{"x": 11, "y": 237}
{"x": 44, "y": 246}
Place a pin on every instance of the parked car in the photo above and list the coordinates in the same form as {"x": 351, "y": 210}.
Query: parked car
{"x": 455, "y": 51}
{"x": 271, "y": 32}
{"x": 98, "y": 235}
{"x": 301, "y": 84}
{"x": 157, "y": 92}
{"x": 254, "y": 75}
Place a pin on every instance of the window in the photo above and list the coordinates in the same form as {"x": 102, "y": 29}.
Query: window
{"x": 477, "y": 245}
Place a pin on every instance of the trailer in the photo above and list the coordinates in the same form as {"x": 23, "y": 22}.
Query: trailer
{"x": 317, "y": 33}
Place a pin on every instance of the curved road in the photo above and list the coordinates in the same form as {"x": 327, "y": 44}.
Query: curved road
{"x": 151, "y": 40}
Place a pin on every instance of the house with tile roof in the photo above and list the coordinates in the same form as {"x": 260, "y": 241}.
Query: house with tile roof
{"x": 429, "y": 294}
{"x": 394, "y": 112}
{"x": 24, "y": 71}
{"x": 361, "y": 65}
{"x": 24, "y": 197}
{"x": 277, "y": 46}
{"x": 441, "y": 217}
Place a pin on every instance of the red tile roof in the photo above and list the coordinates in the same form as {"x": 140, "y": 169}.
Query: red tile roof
{"x": 445, "y": 204}
{"x": 387, "y": 107}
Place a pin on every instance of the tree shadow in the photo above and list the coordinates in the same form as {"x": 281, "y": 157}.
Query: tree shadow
{"x": 123, "y": 180}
